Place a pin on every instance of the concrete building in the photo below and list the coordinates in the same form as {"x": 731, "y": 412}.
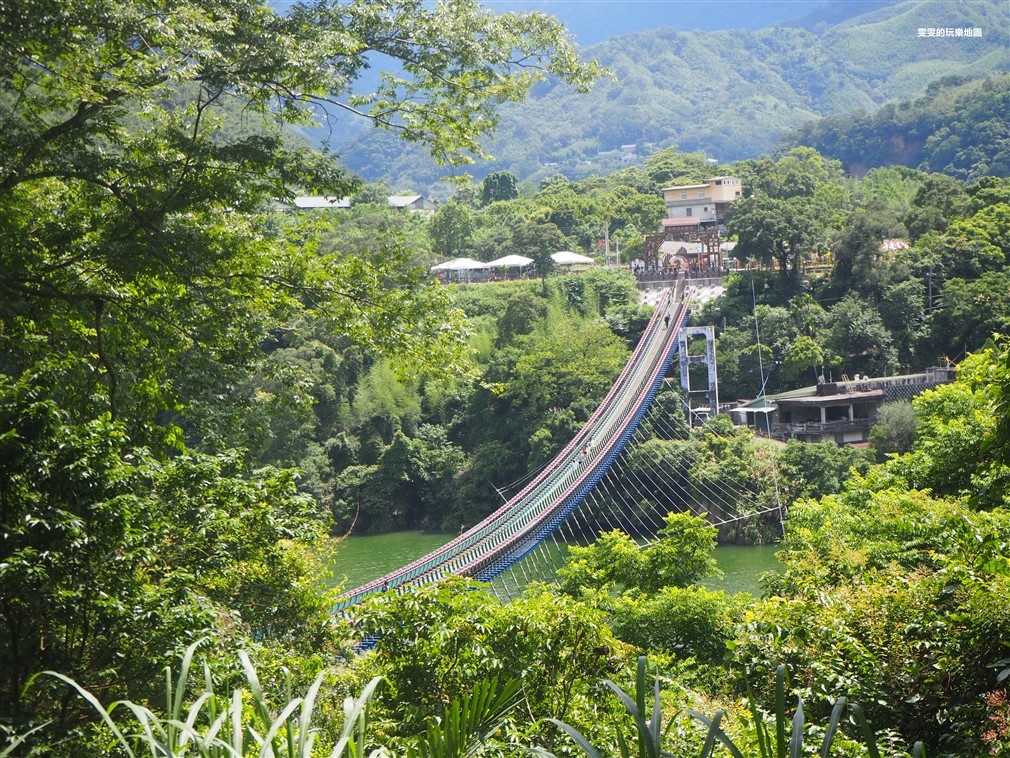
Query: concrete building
{"x": 691, "y": 240}
{"x": 840, "y": 412}
{"x": 705, "y": 203}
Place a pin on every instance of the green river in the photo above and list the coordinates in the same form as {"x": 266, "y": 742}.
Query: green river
{"x": 359, "y": 560}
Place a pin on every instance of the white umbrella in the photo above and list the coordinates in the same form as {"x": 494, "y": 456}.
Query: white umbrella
{"x": 511, "y": 260}
{"x": 567, "y": 257}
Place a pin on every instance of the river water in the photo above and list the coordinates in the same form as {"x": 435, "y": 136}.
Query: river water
{"x": 359, "y": 560}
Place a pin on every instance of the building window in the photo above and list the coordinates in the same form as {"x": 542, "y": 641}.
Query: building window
{"x": 690, "y": 211}
{"x": 701, "y": 193}
{"x": 683, "y": 196}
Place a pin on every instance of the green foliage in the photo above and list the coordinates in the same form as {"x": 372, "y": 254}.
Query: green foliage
{"x": 736, "y": 92}
{"x": 692, "y": 623}
{"x": 611, "y": 289}
{"x": 894, "y": 429}
{"x": 788, "y": 738}
{"x": 523, "y": 312}
{"x": 469, "y": 721}
{"x": 937, "y": 202}
{"x": 972, "y": 312}
{"x": 557, "y": 372}
{"x": 954, "y": 421}
{"x": 649, "y": 731}
{"x": 681, "y": 554}
{"x": 499, "y": 185}
{"x": 954, "y": 129}
{"x": 383, "y": 405}
{"x": 201, "y": 722}
{"x": 895, "y": 597}
{"x": 858, "y": 336}
{"x": 792, "y": 206}
{"x": 776, "y": 744}
{"x": 433, "y": 643}
{"x": 107, "y": 546}
{"x": 814, "y": 469}
{"x": 409, "y": 486}
{"x": 159, "y": 175}
{"x": 452, "y": 229}
{"x": 997, "y": 445}
{"x": 539, "y": 242}
{"x": 803, "y": 356}
{"x": 856, "y": 252}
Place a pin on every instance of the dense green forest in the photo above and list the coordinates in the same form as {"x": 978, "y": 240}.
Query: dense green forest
{"x": 201, "y": 391}
{"x": 729, "y": 94}
{"x": 958, "y": 127}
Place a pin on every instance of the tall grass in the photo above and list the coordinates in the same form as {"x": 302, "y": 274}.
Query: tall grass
{"x": 784, "y": 737}
{"x": 244, "y": 723}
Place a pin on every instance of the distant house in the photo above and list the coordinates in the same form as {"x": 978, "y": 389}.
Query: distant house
{"x": 413, "y": 203}
{"x": 315, "y": 202}
{"x": 703, "y": 203}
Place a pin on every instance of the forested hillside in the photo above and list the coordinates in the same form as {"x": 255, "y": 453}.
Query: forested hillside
{"x": 728, "y": 94}
{"x": 958, "y": 127}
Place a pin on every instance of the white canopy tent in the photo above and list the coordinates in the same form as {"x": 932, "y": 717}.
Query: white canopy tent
{"x": 511, "y": 260}
{"x": 459, "y": 264}
{"x": 567, "y": 258}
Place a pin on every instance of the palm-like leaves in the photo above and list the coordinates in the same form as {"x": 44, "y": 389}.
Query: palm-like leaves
{"x": 469, "y": 721}
{"x": 648, "y": 729}
{"x": 213, "y": 726}
{"x": 770, "y": 744}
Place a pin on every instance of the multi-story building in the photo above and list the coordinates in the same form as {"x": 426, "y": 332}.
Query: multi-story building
{"x": 691, "y": 239}
{"x": 705, "y": 202}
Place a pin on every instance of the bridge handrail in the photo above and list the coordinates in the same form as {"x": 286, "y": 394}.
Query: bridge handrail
{"x": 516, "y": 527}
{"x": 544, "y": 485}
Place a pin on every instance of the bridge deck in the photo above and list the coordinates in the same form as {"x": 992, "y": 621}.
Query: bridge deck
{"x": 503, "y": 538}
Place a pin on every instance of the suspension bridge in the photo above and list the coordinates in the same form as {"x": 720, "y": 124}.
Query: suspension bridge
{"x": 596, "y": 483}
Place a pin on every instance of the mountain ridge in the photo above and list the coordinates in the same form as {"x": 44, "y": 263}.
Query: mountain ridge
{"x": 728, "y": 94}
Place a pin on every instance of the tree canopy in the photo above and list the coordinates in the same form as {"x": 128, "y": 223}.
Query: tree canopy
{"x": 142, "y": 145}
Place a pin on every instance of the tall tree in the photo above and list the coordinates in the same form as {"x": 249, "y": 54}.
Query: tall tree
{"x": 499, "y": 185}
{"x": 141, "y": 141}
{"x": 452, "y": 229}
{"x": 772, "y": 230}
{"x": 539, "y": 242}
